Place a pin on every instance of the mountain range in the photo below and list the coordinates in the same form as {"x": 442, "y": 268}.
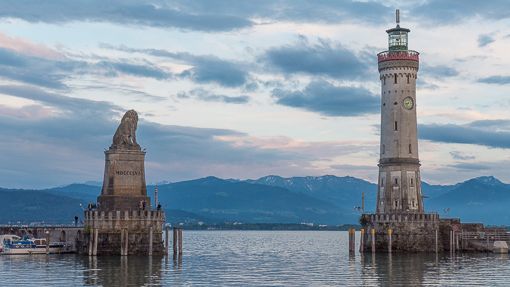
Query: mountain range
{"x": 325, "y": 200}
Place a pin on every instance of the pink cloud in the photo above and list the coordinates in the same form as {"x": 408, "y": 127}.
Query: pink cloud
{"x": 26, "y": 47}
{"x": 27, "y": 112}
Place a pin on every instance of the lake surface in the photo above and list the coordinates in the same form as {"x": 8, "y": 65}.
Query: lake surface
{"x": 259, "y": 258}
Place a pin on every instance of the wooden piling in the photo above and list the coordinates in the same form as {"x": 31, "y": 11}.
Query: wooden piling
{"x": 91, "y": 241}
{"x": 362, "y": 241}
{"x": 389, "y": 240}
{"x": 122, "y": 231}
{"x": 94, "y": 249}
{"x": 436, "y": 241}
{"x": 150, "y": 241}
{"x": 373, "y": 240}
{"x": 175, "y": 240}
{"x": 180, "y": 240}
{"x": 47, "y": 242}
{"x": 166, "y": 239}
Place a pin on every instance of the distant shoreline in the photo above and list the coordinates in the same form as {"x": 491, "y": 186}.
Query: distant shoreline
{"x": 267, "y": 226}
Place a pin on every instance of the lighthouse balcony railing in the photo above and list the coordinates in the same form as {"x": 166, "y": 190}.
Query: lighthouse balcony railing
{"x": 398, "y": 55}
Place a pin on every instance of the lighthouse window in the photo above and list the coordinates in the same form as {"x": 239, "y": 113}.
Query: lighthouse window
{"x": 396, "y": 127}
{"x": 395, "y": 78}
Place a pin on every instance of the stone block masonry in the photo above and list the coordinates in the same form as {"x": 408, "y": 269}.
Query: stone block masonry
{"x": 136, "y": 226}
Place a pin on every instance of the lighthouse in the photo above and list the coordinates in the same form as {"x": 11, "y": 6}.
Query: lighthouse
{"x": 399, "y": 185}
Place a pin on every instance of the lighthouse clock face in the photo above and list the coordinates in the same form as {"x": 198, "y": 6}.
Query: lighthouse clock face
{"x": 408, "y": 103}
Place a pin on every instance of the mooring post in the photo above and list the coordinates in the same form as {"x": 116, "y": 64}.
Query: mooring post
{"x": 47, "y": 242}
{"x": 175, "y": 240}
{"x": 180, "y": 241}
{"x": 122, "y": 241}
{"x": 350, "y": 240}
{"x": 373, "y": 240}
{"x": 389, "y": 240}
{"x": 94, "y": 250}
{"x": 166, "y": 239}
{"x": 150, "y": 241}
{"x": 361, "y": 244}
{"x": 91, "y": 241}
{"x": 436, "y": 240}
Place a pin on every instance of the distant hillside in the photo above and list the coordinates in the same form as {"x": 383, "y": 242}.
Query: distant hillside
{"x": 36, "y": 205}
{"x": 271, "y": 199}
{"x": 345, "y": 192}
{"x": 483, "y": 199}
{"x": 246, "y": 202}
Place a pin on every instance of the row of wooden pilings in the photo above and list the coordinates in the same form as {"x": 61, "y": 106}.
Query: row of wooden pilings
{"x": 352, "y": 240}
{"x": 177, "y": 240}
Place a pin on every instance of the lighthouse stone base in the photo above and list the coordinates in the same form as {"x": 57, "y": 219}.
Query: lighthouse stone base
{"x": 409, "y": 232}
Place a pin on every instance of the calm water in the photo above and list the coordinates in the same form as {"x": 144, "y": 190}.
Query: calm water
{"x": 259, "y": 258}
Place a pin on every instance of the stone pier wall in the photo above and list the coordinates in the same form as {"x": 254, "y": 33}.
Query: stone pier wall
{"x": 131, "y": 220}
{"x": 410, "y": 232}
{"x": 110, "y": 225}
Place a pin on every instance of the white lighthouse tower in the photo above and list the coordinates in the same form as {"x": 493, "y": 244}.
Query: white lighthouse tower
{"x": 399, "y": 188}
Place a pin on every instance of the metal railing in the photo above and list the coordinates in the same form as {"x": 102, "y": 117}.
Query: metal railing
{"x": 398, "y": 55}
{"x": 41, "y": 223}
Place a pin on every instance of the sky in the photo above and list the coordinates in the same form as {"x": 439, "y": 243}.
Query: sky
{"x": 245, "y": 89}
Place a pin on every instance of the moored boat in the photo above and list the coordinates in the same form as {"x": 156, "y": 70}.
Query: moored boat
{"x": 30, "y": 246}
{"x": 4, "y": 238}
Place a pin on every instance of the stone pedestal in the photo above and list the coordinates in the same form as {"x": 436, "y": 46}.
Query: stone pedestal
{"x": 124, "y": 181}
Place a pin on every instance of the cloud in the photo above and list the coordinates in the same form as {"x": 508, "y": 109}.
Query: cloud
{"x": 438, "y": 12}
{"x": 460, "y": 155}
{"x": 26, "y": 47}
{"x": 61, "y": 139}
{"x": 490, "y": 133}
{"x": 484, "y": 40}
{"x": 148, "y": 70}
{"x": 207, "y": 96}
{"x": 206, "y": 69}
{"x": 206, "y": 16}
{"x": 438, "y": 72}
{"x": 469, "y": 166}
{"x": 499, "y": 80}
{"x": 324, "y": 98}
{"x": 143, "y": 13}
{"x": 318, "y": 59}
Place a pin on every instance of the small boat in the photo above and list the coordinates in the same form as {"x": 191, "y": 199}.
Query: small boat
{"x": 30, "y": 246}
{"x": 4, "y": 238}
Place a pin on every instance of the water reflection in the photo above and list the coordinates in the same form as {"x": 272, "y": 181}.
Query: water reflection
{"x": 122, "y": 270}
{"x": 259, "y": 258}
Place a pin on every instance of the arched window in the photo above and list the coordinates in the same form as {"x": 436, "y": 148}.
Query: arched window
{"x": 396, "y": 181}
{"x": 395, "y": 78}
{"x": 408, "y": 78}
{"x": 382, "y": 181}
{"x": 396, "y": 203}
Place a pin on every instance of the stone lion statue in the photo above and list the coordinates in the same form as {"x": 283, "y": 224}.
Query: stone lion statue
{"x": 125, "y": 137}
